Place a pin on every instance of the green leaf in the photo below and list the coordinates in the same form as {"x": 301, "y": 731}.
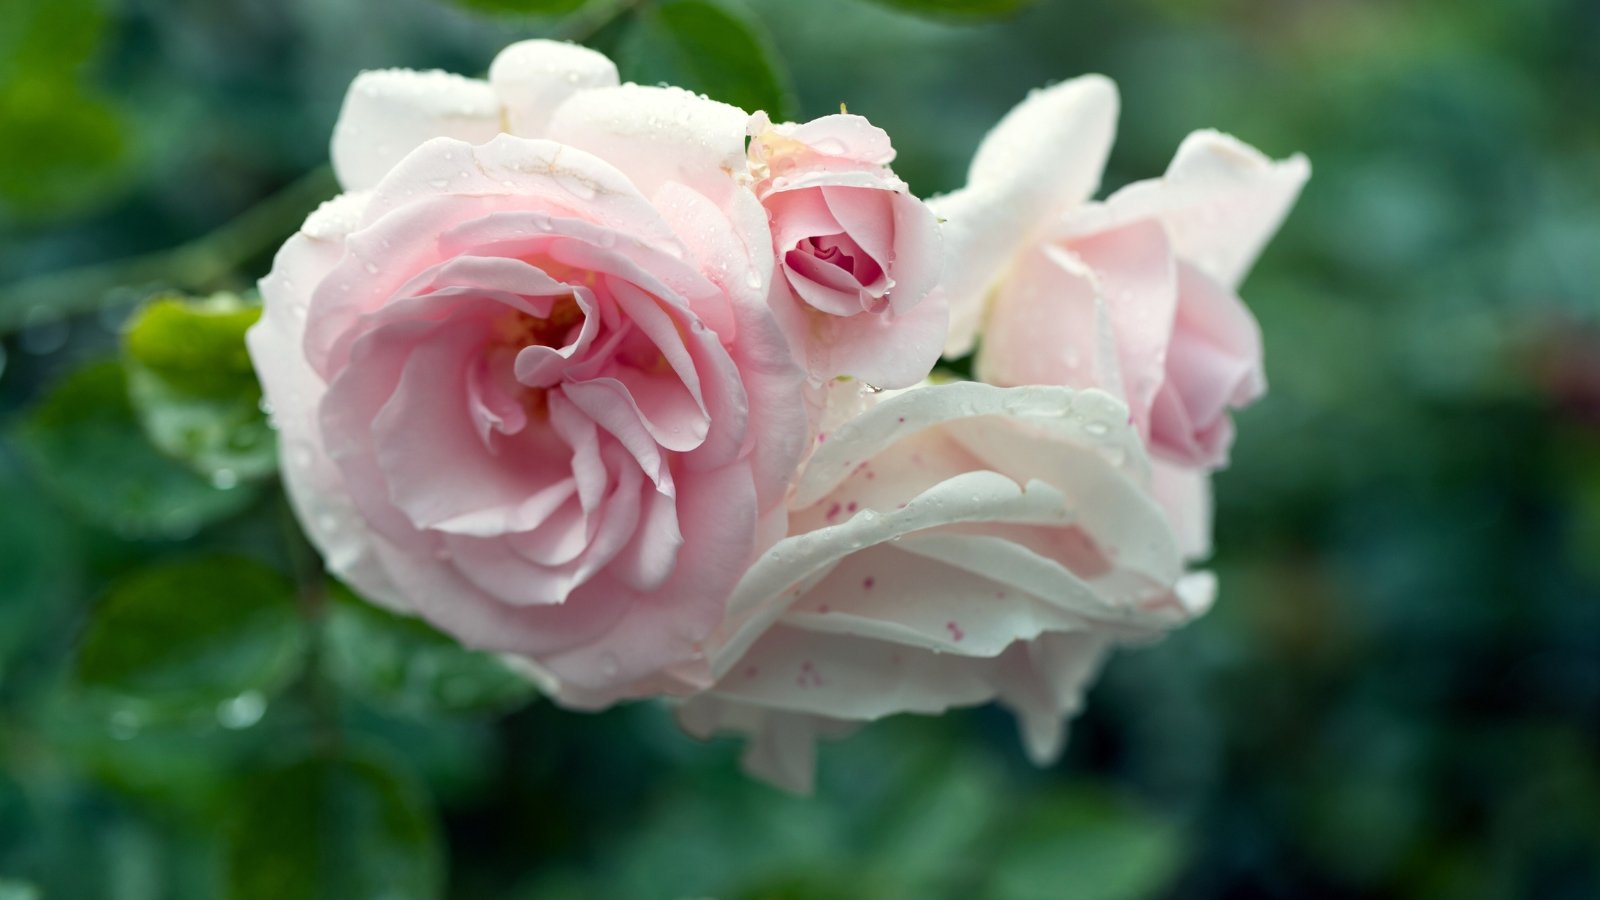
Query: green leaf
{"x": 40, "y": 568}
{"x": 709, "y": 46}
{"x": 1086, "y": 844}
{"x": 403, "y": 667}
{"x": 192, "y": 384}
{"x": 60, "y": 146}
{"x": 523, "y": 7}
{"x": 85, "y": 444}
{"x": 17, "y": 890}
{"x": 962, "y": 9}
{"x": 215, "y": 637}
{"x": 333, "y": 828}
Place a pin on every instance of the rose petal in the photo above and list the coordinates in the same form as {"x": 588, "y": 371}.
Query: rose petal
{"x": 533, "y": 78}
{"x": 1045, "y": 156}
{"x": 390, "y": 112}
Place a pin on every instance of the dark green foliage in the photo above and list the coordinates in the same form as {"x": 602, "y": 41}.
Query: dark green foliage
{"x": 523, "y": 7}
{"x": 713, "y": 47}
{"x": 959, "y": 9}
{"x": 85, "y": 445}
{"x": 203, "y": 635}
{"x": 331, "y": 827}
{"x": 404, "y": 667}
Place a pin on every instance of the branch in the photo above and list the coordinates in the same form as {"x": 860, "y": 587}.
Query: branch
{"x": 202, "y": 265}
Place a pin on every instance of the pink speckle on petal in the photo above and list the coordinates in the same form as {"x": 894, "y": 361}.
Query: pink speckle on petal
{"x": 852, "y": 507}
{"x": 808, "y": 677}
{"x": 822, "y": 438}
{"x": 824, "y": 608}
{"x": 902, "y": 420}
{"x": 751, "y": 672}
{"x": 868, "y": 582}
{"x": 999, "y": 595}
{"x": 833, "y": 512}
{"x": 955, "y": 631}
{"x": 871, "y": 474}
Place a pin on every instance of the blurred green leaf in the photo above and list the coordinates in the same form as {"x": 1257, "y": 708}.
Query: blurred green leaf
{"x": 404, "y": 667}
{"x": 333, "y": 828}
{"x": 192, "y": 384}
{"x": 17, "y": 890}
{"x": 1086, "y": 844}
{"x": 38, "y": 566}
{"x": 84, "y": 442}
{"x": 524, "y": 7}
{"x": 958, "y": 8}
{"x": 59, "y": 145}
{"x": 45, "y": 38}
{"x": 709, "y": 46}
{"x": 217, "y": 636}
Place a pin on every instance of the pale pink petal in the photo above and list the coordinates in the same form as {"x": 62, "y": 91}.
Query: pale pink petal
{"x": 1138, "y": 279}
{"x": 658, "y": 135}
{"x": 533, "y": 78}
{"x": 1221, "y": 201}
{"x": 1185, "y": 494}
{"x": 1051, "y": 324}
{"x": 390, "y": 112}
{"x": 1044, "y": 157}
{"x": 292, "y": 388}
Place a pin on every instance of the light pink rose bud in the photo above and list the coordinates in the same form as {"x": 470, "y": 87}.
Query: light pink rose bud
{"x": 858, "y": 255}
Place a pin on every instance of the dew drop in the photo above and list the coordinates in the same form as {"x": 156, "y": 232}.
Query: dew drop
{"x": 125, "y": 724}
{"x": 41, "y": 335}
{"x": 242, "y": 711}
{"x": 224, "y": 479}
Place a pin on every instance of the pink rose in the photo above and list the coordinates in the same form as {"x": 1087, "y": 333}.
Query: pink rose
{"x": 527, "y": 384}
{"x": 951, "y": 545}
{"x": 859, "y": 255}
{"x": 1135, "y": 294}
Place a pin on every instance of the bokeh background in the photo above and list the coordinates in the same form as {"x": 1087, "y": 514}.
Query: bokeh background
{"x": 1397, "y": 695}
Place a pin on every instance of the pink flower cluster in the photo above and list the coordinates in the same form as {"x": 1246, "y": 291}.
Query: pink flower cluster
{"x": 640, "y": 389}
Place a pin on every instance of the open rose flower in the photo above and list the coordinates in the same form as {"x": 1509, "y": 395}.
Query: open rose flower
{"x": 858, "y": 254}
{"x": 949, "y": 546}
{"x": 527, "y": 383}
{"x": 1136, "y": 294}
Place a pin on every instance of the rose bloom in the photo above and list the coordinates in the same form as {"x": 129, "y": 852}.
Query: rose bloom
{"x": 525, "y": 374}
{"x": 958, "y": 544}
{"x": 1136, "y": 294}
{"x": 859, "y": 256}
{"x": 950, "y": 545}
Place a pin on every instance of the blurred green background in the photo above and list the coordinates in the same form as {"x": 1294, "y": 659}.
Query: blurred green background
{"x": 1397, "y": 695}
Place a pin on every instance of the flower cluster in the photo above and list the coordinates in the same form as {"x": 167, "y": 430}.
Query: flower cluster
{"x": 640, "y": 388}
